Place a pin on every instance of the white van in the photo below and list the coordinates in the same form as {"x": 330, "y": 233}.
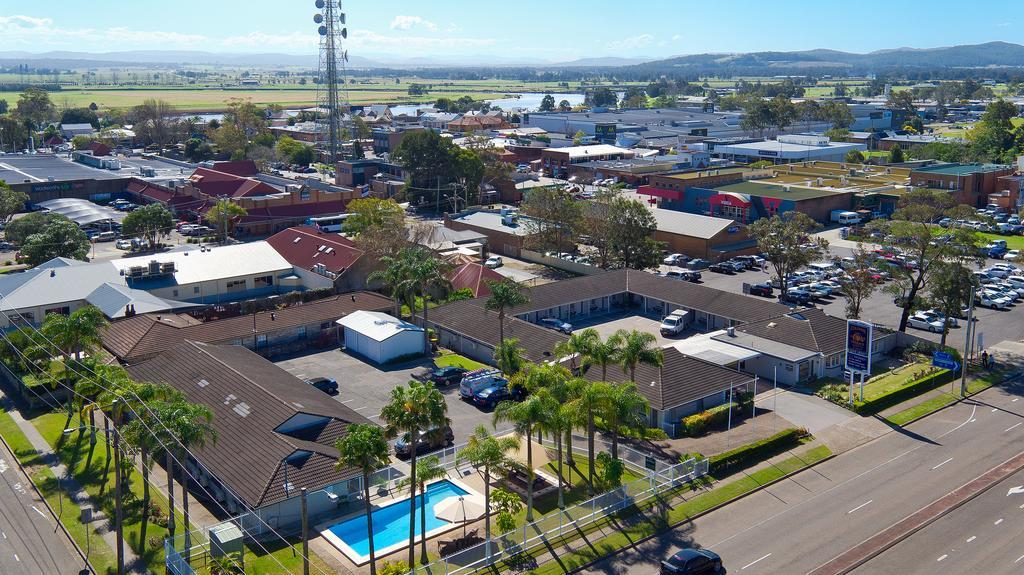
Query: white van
{"x": 476, "y": 380}
{"x": 675, "y": 322}
{"x": 105, "y": 237}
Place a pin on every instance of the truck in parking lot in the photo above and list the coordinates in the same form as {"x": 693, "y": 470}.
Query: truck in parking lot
{"x": 477, "y": 380}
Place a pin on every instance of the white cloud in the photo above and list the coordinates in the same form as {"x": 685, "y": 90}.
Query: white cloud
{"x": 677, "y": 37}
{"x": 372, "y": 41}
{"x": 631, "y": 43}
{"x": 401, "y": 22}
{"x": 453, "y": 27}
{"x": 21, "y": 21}
{"x": 28, "y": 29}
{"x": 304, "y": 40}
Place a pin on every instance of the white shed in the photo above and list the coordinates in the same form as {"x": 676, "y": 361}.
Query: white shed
{"x": 380, "y": 337}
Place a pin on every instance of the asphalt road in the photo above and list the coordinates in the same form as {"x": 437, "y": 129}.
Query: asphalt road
{"x": 30, "y": 540}
{"x": 806, "y": 520}
{"x": 982, "y": 536}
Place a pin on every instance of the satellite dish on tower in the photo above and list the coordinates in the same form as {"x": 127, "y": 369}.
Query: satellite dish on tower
{"x": 323, "y": 30}
{"x": 320, "y": 3}
{"x": 344, "y": 55}
{"x": 344, "y": 32}
{"x": 341, "y": 18}
{"x": 318, "y": 18}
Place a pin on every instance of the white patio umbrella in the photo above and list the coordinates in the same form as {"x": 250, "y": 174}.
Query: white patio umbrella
{"x": 459, "y": 508}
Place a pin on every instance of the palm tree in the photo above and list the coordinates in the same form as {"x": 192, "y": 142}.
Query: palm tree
{"x": 624, "y": 409}
{"x": 224, "y": 215}
{"x": 74, "y": 335}
{"x": 603, "y": 354}
{"x": 524, "y": 417}
{"x": 488, "y": 452}
{"x": 429, "y": 469}
{"x": 395, "y": 276}
{"x": 577, "y": 346}
{"x": 555, "y": 421}
{"x": 637, "y": 347}
{"x": 426, "y": 273}
{"x": 365, "y": 447}
{"x": 509, "y": 357}
{"x": 591, "y": 401}
{"x": 504, "y": 294}
{"x": 413, "y": 410}
{"x": 190, "y": 426}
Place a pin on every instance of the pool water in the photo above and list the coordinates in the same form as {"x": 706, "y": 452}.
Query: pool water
{"x": 391, "y": 523}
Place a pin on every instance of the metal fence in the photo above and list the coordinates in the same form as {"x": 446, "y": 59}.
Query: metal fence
{"x": 509, "y": 545}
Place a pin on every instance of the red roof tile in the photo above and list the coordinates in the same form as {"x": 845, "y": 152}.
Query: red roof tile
{"x": 243, "y": 168}
{"x": 216, "y": 183}
{"x": 304, "y": 247}
{"x": 473, "y": 276}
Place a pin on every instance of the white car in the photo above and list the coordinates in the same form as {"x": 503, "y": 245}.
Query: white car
{"x": 997, "y": 272}
{"x": 1013, "y": 256}
{"x": 493, "y": 262}
{"x": 925, "y": 322}
{"x": 123, "y": 244}
{"x": 991, "y": 299}
{"x": 1007, "y": 292}
{"x": 674, "y": 259}
{"x": 936, "y": 314}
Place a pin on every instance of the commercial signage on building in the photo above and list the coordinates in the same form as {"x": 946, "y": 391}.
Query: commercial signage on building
{"x": 771, "y": 153}
{"x": 54, "y": 187}
{"x": 858, "y": 345}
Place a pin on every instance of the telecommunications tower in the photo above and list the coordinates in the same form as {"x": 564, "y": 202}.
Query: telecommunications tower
{"x": 331, "y": 81}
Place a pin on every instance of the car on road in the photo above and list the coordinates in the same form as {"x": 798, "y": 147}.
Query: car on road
{"x": 763, "y": 289}
{"x": 491, "y": 396}
{"x": 429, "y": 440}
{"x": 556, "y": 324}
{"x": 324, "y": 384}
{"x": 675, "y": 259}
{"x": 722, "y": 268}
{"x": 925, "y": 322}
{"x": 493, "y": 262}
{"x": 692, "y": 562}
{"x": 447, "y": 375}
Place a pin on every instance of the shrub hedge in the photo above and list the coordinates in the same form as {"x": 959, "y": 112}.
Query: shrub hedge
{"x": 926, "y": 383}
{"x": 698, "y": 423}
{"x": 751, "y": 453}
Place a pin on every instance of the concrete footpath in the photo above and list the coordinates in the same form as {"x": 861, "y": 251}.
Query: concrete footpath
{"x": 101, "y": 524}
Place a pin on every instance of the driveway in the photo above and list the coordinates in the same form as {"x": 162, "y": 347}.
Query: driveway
{"x": 808, "y": 411}
{"x": 366, "y": 388}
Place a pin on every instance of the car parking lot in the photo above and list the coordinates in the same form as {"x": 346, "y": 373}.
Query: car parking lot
{"x": 993, "y": 325}
{"x": 366, "y": 388}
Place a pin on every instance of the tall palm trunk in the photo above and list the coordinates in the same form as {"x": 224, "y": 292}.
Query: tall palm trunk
{"x": 423, "y": 523}
{"x": 413, "y": 439}
{"x": 590, "y": 449}
{"x": 118, "y": 512}
{"x": 501, "y": 326}
{"x": 487, "y": 508}
{"x": 184, "y": 506}
{"x": 558, "y": 448}
{"x": 169, "y": 464}
{"x": 568, "y": 446}
{"x": 71, "y": 398}
{"x": 614, "y": 429}
{"x": 145, "y": 491}
{"x": 426, "y": 335}
{"x": 369, "y": 522}
{"x": 529, "y": 475}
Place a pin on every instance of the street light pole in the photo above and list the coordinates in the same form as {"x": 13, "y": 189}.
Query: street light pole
{"x": 967, "y": 344}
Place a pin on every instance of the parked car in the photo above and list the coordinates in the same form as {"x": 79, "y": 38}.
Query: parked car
{"x": 448, "y": 375}
{"x": 6, "y": 246}
{"x": 925, "y": 322}
{"x": 697, "y": 264}
{"x": 324, "y": 384}
{"x": 493, "y": 262}
{"x": 685, "y": 275}
{"x": 675, "y": 259}
{"x": 722, "y": 268}
{"x": 939, "y": 316}
{"x": 123, "y": 244}
{"x": 737, "y": 265}
{"x": 556, "y": 324}
{"x": 797, "y": 295}
{"x": 761, "y": 289}
{"x": 105, "y": 237}
{"x": 692, "y": 562}
{"x": 429, "y": 440}
{"x": 489, "y": 397}
{"x": 674, "y": 323}
{"x": 991, "y": 300}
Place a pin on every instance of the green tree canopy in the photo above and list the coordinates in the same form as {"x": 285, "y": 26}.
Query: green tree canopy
{"x": 11, "y": 202}
{"x": 150, "y": 222}
{"x": 786, "y": 242}
{"x": 59, "y": 238}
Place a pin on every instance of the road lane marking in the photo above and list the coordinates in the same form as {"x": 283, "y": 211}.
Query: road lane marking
{"x": 998, "y": 521}
{"x": 1015, "y": 400}
{"x": 358, "y": 408}
{"x": 1014, "y": 426}
{"x": 995, "y": 409}
{"x": 942, "y": 557}
{"x": 972, "y": 538}
{"x": 859, "y": 506}
{"x": 16, "y": 558}
{"x": 4, "y": 534}
{"x": 1015, "y": 490}
{"x": 36, "y": 509}
{"x": 347, "y": 401}
{"x": 941, "y": 464}
{"x": 755, "y": 561}
{"x": 1019, "y": 559}
{"x": 973, "y": 420}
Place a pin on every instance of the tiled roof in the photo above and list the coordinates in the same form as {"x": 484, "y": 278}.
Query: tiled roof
{"x": 469, "y": 318}
{"x": 810, "y": 329}
{"x": 149, "y": 190}
{"x": 136, "y": 338}
{"x": 216, "y": 183}
{"x": 250, "y": 397}
{"x": 243, "y": 168}
{"x": 304, "y": 247}
{"x": 472, "y": 275}
{"x": 680, "y": 380}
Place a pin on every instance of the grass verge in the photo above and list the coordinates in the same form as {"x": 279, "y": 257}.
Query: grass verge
{"x": 915, "y": 412}
{"x": 458, "y": 361}
{"x": 101, "y": 556}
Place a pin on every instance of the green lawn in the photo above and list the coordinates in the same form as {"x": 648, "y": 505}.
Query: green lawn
{"x": 101, "y": 556}
{"x": 936, "y": 403}
{"x": 890, "y": 382}
{"x": 1012, "y": 242}
{"x": 455, "y": 359}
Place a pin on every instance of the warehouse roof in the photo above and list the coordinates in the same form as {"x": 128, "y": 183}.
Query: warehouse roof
{"x": 780, "y": 191}
{"x": 962, "y": 169}
{"x": 687, "y": 224}
{"x": 376, "y": 325}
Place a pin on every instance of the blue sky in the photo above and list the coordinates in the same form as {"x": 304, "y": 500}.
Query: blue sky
{"x": 533, "y": 29}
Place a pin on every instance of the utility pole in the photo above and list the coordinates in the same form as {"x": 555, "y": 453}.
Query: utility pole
{"x": 305, "y": 534}
{"x": 969, "y": 338}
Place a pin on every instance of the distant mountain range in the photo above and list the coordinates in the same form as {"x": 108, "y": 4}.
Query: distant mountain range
{"x": 988, "y": 55}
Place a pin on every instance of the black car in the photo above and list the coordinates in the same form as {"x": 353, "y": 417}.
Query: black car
{"x": 324, "y": 384}
{"x": 722, "y": 268}
{"x": 761, "y": 289}
{"x": 430, "y": 440}
{"x": 692, "y": 562}
{"x": 697, "y": 264}
{"x": 489, "y": 397}
{"x": 448, "y": 375}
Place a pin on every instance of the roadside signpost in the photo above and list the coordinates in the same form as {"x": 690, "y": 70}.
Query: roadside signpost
{"x": 944, "y": 360}
{"x": 859, "y": 336}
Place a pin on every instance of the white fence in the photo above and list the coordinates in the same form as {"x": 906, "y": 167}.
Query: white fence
{"x": 570, "y": 520}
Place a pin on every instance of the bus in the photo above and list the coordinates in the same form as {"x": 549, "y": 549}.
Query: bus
{"x": 328, "y": 223}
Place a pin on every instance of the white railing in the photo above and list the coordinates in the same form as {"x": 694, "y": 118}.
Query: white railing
{"x": 567, "y": 521}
